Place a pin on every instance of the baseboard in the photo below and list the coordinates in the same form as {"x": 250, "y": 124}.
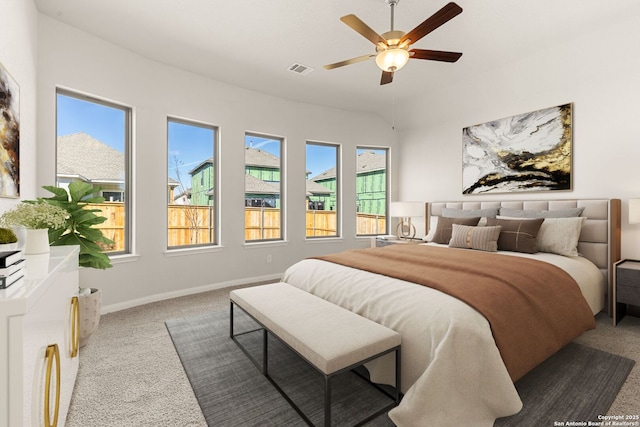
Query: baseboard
{"x": 184, "y": 292}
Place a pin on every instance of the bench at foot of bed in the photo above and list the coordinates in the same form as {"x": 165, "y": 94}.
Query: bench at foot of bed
{"x": 329, "y": 338}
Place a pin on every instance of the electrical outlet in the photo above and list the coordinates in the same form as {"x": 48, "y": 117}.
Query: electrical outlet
{"x": 269, "y": 259}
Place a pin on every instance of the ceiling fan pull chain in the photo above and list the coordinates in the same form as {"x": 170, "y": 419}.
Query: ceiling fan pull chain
{"x": 393, "y": 108}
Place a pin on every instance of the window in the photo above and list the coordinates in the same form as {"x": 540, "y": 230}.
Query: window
{"x": 191, "y": 168}
{"x": 113, "y": 196}
{"x": 93, "y": 145}
{"x": 322, "y": 186}
{"x": 371, "y": 191}
{"x": 263, "y": 188}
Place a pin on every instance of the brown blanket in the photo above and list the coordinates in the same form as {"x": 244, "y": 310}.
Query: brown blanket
{"x": 534, "y": 308}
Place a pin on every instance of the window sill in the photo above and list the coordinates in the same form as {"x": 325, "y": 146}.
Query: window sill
{"x": 124, "y": 258}
{"x": 318, "y": 240}
{"x": 191, "y": 251}
{"x": 266, "y": 243}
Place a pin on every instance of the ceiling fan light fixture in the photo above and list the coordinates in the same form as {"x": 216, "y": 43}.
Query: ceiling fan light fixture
{"x": 392, "y": 59}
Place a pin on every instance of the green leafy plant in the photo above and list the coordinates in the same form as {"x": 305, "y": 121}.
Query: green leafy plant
{"x": 78, "y": 227}
{"x": 7, "y": 236}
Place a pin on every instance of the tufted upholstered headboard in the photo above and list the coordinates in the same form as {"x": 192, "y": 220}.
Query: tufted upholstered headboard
{"x": 600, "y": 237}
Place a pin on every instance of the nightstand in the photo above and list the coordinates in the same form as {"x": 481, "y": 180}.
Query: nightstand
{"x": 626, "y": 287}
{"x": 378, "y": 242}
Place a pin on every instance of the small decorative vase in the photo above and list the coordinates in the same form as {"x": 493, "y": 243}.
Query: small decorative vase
{"x": 37, "y": 241}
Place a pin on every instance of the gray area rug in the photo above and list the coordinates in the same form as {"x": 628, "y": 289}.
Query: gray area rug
{"x": 576, "y": 384}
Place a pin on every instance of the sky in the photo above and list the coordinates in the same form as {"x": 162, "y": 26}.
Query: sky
{"x": 188, "y": 144}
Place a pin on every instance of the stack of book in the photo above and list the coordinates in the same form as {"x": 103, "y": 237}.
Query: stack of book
{"x": 11, "y": 268}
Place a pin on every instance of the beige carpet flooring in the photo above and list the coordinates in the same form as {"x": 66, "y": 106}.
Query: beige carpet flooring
{"x": 130, "y": 374}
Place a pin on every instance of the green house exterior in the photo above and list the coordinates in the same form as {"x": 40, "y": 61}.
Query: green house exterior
{"x": 202, "y": 184}
{"x": 262, "y": 183}
{"x": 371, "y": 184}
{"x": 371, "y": 194}
{"x": 262, "y": 187}
{"x": 265, "y": 174}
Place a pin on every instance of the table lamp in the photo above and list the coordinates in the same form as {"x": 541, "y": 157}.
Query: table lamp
{"x": 405, "y": 211}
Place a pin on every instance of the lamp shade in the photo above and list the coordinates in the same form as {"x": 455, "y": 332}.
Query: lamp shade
{"x": 392, "y": 59}
{"x": 406, "y": 209}
{"x": 634, "y": 211}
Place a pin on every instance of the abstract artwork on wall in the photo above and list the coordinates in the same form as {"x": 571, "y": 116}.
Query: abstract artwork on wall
{"x": 9, "y": 135}
{"x": 527, "y": 152}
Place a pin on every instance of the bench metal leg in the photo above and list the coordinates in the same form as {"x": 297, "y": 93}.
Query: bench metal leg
{"x": 265, "y": 352}
{"x": 231, "y": 322}
{"x": 327, "y": 401}
{"x": 398, "y": 376}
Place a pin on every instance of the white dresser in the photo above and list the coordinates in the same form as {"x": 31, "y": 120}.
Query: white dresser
{"x": 38, "y": 331}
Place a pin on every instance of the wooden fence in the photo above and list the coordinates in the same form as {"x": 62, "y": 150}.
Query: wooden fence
{"x": 194, "y": 225}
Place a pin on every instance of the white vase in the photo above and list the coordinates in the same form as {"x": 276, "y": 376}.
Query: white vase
{"x": 37, "y": 241}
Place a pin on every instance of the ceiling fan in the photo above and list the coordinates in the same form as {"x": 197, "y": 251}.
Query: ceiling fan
{"x": 392, "y": 47}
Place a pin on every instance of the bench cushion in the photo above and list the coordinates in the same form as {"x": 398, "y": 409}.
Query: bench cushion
{"x": 328, "y": 336}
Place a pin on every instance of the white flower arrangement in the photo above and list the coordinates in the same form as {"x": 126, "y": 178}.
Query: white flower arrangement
{"x": 34, "y": 215}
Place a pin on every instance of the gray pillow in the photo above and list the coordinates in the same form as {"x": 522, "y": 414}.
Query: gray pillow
{"x": 531, "y": 213}
{"x": 445, "y": 227}
{"x": 469, "y": 213}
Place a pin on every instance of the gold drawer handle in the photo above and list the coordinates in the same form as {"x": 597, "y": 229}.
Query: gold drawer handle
{"x": 51, "y": 353}
{"x": 75, "y": 326}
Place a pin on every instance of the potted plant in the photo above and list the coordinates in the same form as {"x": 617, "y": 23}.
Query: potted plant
{"x": 8, "y": 239}
{"x": 78, "y": 229}
{"x": 37, "y": 217}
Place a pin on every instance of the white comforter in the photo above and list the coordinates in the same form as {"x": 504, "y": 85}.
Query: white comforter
{"x": 452, "y": 372}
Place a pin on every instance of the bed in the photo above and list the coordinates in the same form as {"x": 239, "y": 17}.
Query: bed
{"x": 453, "y": 371}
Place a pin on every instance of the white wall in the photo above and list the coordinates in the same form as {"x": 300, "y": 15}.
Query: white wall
{"x": 598, "y": 72}
{"x": 18, "y": 55}
{"x": 76, "y": 60}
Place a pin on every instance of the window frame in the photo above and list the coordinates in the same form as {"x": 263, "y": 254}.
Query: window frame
{"x": 282, "y": 195}
{"x": 128, "y": 166}
{"x": 338, "y": 190}
{"x": 387, "y": 151}
{"x": 216, "y": 181}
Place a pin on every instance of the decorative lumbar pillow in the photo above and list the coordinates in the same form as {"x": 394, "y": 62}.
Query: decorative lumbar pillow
{"x": 531, "y": 213}
{"x": 480, "y": 238}
{"x": 445, "y": 225}
{"x": 560, "y": 235}
{"x": 518, "y": 235}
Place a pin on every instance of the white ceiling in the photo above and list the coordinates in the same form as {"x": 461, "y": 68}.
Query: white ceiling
{"x": 252, "y": 43}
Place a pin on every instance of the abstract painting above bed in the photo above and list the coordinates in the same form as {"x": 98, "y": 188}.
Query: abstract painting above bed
{"x": 526, "y": 152}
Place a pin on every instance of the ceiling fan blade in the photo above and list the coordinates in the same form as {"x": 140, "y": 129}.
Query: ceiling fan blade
{"x": 387, "y": 77}
{"x": 355, "y": 23}
{"x": 448, "y": 12}
{"x": 435, "y": 55}
{"x": 348, "y": 62}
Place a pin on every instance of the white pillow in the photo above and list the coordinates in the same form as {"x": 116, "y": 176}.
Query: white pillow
{"x": 433, "y": 225}
{"x": 560, "y": 235}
